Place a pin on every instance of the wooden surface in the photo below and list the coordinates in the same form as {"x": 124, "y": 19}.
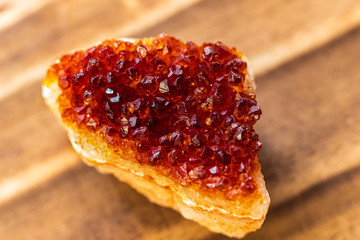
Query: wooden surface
{"x": 306, "y": 58}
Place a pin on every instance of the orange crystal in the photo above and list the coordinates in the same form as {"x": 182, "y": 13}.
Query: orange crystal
{"x": 180, "y": 107}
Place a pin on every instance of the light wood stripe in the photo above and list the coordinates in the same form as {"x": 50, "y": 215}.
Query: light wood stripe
{"x": 36, "y": 175}
{"x": 300, "y": 39}
{"x": 138, "y": 23}
{"x": 12, "y": 11}
{"x": 307, "y": 39}
{"x": 270, "y": 33}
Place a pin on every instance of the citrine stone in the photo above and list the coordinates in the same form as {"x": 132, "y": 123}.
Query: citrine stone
{"x": 181, "y": 107}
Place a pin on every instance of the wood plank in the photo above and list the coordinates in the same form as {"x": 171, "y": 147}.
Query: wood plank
{"x": 63, "y": 26}
{"x": 33, "y": 146}
{"x": 82, "y": 204}
{"x": 269, "y": 32}
{"x": 311, "y": 152}
{"x": 26, "y": 115}
{"x": 311, "y": 113}
{"x": 90, "y": 191}
{"x": 13, "y": 10}
{"x": 327, "y": 211}
{"x": 341, "y": 140}
{"x": 268, "y": 43}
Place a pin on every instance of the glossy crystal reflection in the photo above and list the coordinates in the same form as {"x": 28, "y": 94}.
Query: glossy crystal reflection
{"x": 179, "y": 107}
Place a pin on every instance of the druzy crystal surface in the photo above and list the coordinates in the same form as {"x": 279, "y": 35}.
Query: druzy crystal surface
{"x": 182, "y": 108}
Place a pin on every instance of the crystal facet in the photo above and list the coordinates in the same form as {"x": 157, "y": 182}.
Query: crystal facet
{"x": 177, "y": 106}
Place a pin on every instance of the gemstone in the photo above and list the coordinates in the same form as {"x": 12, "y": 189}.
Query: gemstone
{"x": 93, "y": 66}
{"x": 111, "y": 78}
{"x": 223, "y": 157}
{"x": 197, "y": 141}
{"x": 141, "y": 51}
{"x": 236, "y": 80}
{"x": 133, "y": 121}
{"x": 199, "y": 172}
{"x": 195, "y": 121}
{"x": 121, "y": 66}
{"x": 206, "y": 152}
{"x": 164, "y": 87}
{"x": 208, "y": 53}
{"x": 64, "y": 82}
{"x": 157, "y": 155}
{"x": 159, "y": 106}
{"x": 143, "y": 146}
{"x": 148, "y": 84}
{"x": 140, "y": 133}
{"x": 97, "y": 81}
{"x": 178, "y": 107}
{"x": 124, "y": 131}
{"x": 181, "y": 86}
{"x": 78, "y": 78}
{"x": 177, "y": 156}
{"x": 177, "y": 139}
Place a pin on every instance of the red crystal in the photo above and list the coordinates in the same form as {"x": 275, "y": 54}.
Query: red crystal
{"x": 157, "y": 155}
{"x": 180, "y": 107}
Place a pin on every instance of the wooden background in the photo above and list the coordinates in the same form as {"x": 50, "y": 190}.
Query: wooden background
{"x": 305, "y": 55}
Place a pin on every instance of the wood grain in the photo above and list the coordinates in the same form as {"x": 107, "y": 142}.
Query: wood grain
{"x": 310, "y": 126}
{"x": 269, "y": 32}
{"x": 306, "y": 53}
{"x": 82, "y": 204}
{"x": 12, "y": 11}
{"x": 328, "y": 211}
{"x": 65, "y": 26}
{"x": 33, "y": 146}
{"x": 268, "y": 43}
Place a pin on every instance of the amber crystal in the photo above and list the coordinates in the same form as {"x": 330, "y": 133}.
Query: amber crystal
{"x": 179, "y": 107}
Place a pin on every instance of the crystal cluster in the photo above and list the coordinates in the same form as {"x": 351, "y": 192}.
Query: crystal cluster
{"x": 179, "y": 107}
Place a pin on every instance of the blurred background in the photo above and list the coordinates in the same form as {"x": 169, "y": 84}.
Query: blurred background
{"x": 305, "y": 56}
